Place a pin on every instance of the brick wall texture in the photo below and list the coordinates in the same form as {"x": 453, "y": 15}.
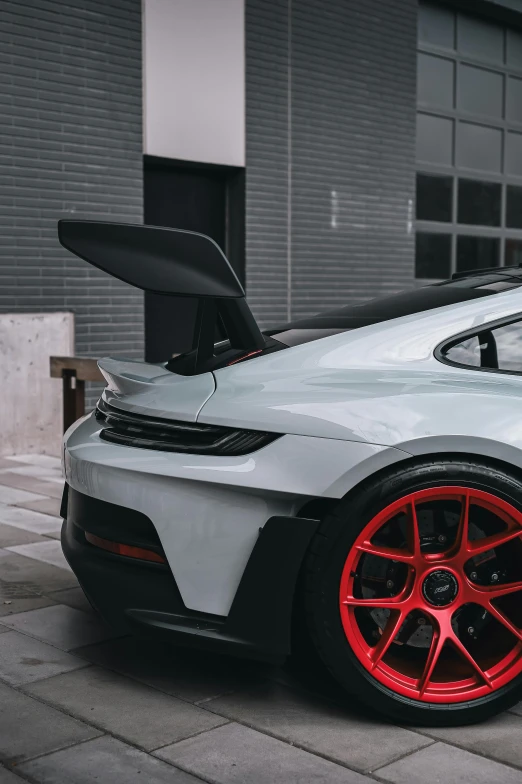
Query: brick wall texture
{"x": 70, "y": 146}
{"x": 330, "y": 148}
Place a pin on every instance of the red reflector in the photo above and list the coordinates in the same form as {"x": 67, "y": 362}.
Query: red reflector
{"x": 124, "y": 549}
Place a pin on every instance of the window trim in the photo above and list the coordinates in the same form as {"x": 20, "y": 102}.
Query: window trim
{"x": 449, "y": 343}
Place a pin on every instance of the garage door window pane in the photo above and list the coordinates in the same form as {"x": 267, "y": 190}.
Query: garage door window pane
{"x": 481, "y": 91}
{"x": 435, "y": 81}
{"x": 514, "y": 100}
{"x": 479, "y": 148}
{"x": 436, "y": 25}
{"x": 514, "y": 49}
{"x": 434, "y": 198}
{"x": 514, "y": 207}
{"x": 480, "y": 39}
{"x": 513, "y": 253}
{"x": 432, "y": 256}
{"x": 514, "y": 154}
{"x": 477, "y": 253}
{"x": 479, "y": 203}
{"x": 434, "y": 139}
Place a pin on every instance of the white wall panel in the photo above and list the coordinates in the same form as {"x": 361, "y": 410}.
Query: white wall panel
{"x": 194, "y": 76}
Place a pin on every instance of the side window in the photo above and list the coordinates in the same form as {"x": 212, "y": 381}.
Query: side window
{"x": 494, "y": 349}
{"x": 465, "y": 353}
{"x": 509, "y": 347}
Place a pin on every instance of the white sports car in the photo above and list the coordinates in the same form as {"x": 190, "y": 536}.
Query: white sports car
{"x": 352, "y": 480}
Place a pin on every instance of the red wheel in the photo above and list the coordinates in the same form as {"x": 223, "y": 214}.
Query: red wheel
{"x": 437, "y": 586}
{"x": 428, "y": 595}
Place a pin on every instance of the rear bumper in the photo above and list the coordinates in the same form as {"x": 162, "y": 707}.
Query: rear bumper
{"x": 139, "y": 596}
{"x": 207, "y": 511}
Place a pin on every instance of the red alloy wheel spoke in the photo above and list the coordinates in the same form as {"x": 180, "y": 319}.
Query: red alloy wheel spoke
{"x": 413, "y": 532}
{"x": 390, "y": 632}
{"x": 402, "y": 601}
{"x": 504, "y": 620}
{"x": 490, "y": 592}
{"x": 391, "y": 553}
{"x": 469, "y": 658}
{"x": 461, "y": 546}
{"x": 438, "y": 642}
{"x": 490, "y": 542}
{"x": 393, "y": 603}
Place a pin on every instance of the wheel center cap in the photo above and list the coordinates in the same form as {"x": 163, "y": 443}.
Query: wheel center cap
{"x": 440, "y": 588}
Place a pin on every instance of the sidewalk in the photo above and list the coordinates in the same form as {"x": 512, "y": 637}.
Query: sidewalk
{"x": 78, "y": 705}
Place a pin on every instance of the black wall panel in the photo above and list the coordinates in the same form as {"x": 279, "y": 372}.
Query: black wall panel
{"x": 330, "y": 148}
{"x": 70, "y": 146}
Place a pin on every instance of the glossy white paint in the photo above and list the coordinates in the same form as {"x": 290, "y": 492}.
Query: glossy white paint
{"x": 350, "y": 405}
{"x": 208, "y": 510}
{"x": 380, "y": 384}
{"x": 154, "y": 391}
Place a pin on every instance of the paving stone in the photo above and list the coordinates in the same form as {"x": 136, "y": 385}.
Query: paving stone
{"x": 6, "y": 777}
{"x": 19, "y": 597}
{"x": 73, "y": 597}
{"x": 48, "y": 551}
{"x": 318, "y": 726}
{"x": 11, "y": 495}
{"x": 10, "y": 536}
{"x": 46, "y": 473}
{"x": 100, "y": 761}
{"x": 128, "y": 709}
{"x": 238, "y": 755}
{"x": 28, "y": 520}
{"x": 39, "y": 577}
{"x": 47, "y": 461}
{"x": 190, "y": 675}
{"x": 24, "y": 660}
{"x": 29, "y": 728}
{"x": 48, "y": 506}
{"x": 6, "y": 462}
{"x": 60, "y": 626}
{"x": 29, "y": 484}
{"x": 499, "y": 738}
{"x": 443, "y": 764}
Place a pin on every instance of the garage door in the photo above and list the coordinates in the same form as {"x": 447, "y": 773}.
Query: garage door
{"x": 469, "y": 144}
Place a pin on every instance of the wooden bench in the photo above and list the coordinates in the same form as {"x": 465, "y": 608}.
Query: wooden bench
{"x": 74, "y": 372}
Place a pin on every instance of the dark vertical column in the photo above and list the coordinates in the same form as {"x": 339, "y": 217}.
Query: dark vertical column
{"x": 267, "y": 155}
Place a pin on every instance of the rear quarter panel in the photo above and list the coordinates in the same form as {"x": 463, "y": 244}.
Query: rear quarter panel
{"x": 382, "y": 385}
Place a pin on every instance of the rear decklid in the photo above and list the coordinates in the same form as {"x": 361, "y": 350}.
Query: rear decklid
{"x": 152, "y": 390}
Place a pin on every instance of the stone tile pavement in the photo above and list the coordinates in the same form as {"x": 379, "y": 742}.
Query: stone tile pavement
{"x": 80, "y": 705}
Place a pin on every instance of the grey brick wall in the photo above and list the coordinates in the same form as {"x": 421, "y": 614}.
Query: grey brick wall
{"x": 330, "y": 149}
{"x": 70, "y": 146}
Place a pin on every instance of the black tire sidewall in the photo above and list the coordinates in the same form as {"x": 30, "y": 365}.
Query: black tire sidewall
{"x": 324, "y": 566}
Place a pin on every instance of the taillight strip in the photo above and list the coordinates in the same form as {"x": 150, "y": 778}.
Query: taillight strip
{"x": 124, "y": 549}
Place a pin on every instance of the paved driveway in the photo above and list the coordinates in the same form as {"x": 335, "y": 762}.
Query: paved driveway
{"x": 78, "y": 705}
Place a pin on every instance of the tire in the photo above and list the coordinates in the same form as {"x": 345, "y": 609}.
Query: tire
{"x": 340, "y": 629}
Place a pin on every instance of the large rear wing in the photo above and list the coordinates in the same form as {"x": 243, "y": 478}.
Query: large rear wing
{"x": 173, "y": 262}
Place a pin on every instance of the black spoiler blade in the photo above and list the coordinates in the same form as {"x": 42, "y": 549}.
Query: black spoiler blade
{"x": 176, "y": 262}
{"x": 160, "y": 260}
